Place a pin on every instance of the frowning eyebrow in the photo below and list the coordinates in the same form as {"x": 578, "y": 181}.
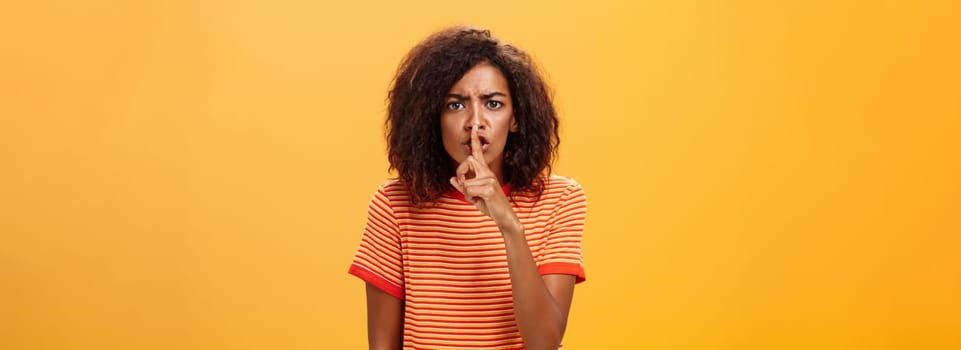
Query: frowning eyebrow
{"x": 483, "y": 97}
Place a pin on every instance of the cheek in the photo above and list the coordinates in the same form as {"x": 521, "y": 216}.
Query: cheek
{"x": 506, "y": 126}
{"x": 447, "y": 130}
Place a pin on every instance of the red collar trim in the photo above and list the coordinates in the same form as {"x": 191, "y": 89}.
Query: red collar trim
{"x": 454, "y": 193}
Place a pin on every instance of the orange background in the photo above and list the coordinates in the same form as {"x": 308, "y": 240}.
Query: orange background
{"x": 761, "y": 174}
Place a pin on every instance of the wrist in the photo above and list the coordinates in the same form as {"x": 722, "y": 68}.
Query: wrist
{"x": 511, "y": 225}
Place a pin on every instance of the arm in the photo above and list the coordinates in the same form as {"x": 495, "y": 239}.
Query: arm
{"x": 541, "y": 303}
{"x": 385, "y": 319}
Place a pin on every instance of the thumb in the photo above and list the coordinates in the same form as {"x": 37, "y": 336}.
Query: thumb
{"x": 454, "y": 182}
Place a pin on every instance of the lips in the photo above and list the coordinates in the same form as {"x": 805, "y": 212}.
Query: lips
{"x": 485, "y": 144}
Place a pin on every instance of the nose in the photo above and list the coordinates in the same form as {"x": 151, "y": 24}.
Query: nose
{"x": 476, "y": 117}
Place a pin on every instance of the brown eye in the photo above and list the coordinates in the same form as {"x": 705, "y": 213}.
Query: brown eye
{"x": 494, "y": 104}
{"x": 455, "y": 106}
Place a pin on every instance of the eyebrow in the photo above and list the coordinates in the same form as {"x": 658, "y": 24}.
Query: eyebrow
{"x": 483, "y": 97}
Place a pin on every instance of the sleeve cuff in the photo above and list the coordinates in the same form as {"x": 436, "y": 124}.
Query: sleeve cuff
{"x": 565, "y": 269}
{"x": 379, "y": 282}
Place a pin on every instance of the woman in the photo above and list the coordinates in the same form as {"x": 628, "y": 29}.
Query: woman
{"x": 475, "y": 245}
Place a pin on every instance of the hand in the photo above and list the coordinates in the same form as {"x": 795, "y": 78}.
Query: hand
{"x": 480, "y": 185}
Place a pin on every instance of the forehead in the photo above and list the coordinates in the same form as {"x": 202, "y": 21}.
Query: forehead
{"x": 483, "y": 78}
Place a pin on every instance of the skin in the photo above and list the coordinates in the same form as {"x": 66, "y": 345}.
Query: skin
{"x": 480, "y": 98}
{"x": 475, "y": 123}
{"x": 385, "y": 319}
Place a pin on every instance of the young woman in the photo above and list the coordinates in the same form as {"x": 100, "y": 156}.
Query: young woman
{"x": 475, "y": 245}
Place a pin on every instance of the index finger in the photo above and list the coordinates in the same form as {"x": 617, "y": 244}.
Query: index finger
{"x": 463, "y": 170}
{"x": 475, "y": 144}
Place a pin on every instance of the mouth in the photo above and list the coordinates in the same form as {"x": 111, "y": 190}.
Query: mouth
{"x": 485, "y": 144}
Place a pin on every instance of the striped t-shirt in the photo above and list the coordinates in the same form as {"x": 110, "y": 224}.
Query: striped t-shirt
{"x": 448, "y": 263}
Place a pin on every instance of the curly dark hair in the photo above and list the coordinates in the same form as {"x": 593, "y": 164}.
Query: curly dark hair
{"x": 414, "y": 145}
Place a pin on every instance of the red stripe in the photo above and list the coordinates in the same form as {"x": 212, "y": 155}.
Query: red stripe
{"x": 475, "y": 331}
{"x": 436, "y": 250}
{"x": 419, "y": 298}
{"x": 492, "y": 257}
{"x": 451, "y": 268}
{"x": 377, "y": 281}
{"x": 484, "y": 341}
{"x": 507, "y": 301}
{"x": 507, "y": 327}
{"x": 471, "y": 282}
{"x": 370, "y": 261}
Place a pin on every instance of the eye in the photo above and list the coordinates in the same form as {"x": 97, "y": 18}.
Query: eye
{"x": 455, "y": 106}
{"x": 494, "y": 104}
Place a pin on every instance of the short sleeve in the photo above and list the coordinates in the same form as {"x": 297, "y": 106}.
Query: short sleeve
{"x": 378, "y": 260}
{"x": 562, "y": 252}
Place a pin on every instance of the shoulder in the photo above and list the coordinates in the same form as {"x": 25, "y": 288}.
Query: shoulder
{"x": 560, "y": 180}
{"x": 561, "y": 185}
{"x": 557, "y": 190}
{"x": 392, "y": 191}
{"x": 391, "y": 185}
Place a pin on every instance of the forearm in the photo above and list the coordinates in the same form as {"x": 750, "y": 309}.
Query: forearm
{"x": 540, "y": 318}
{"x": 385, "y": 320}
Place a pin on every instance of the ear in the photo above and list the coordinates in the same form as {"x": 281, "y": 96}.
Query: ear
{"x": 513, "y": 127}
